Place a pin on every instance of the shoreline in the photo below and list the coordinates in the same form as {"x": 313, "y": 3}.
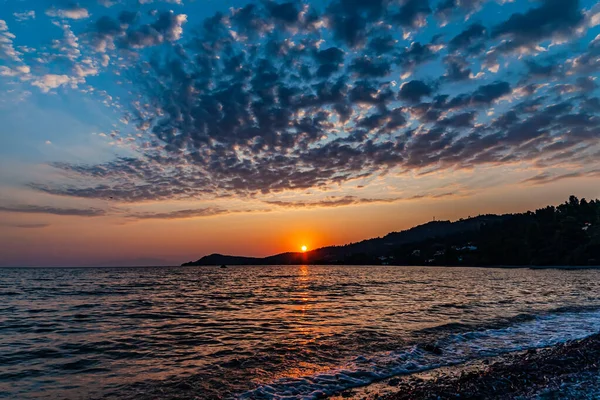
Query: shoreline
{"x": 565, "y": 267}
{"x": 568, "y": 370}
{"x": 533, "y": 267}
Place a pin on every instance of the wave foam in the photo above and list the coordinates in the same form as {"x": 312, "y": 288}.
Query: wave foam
{"x": 542, "y": 331}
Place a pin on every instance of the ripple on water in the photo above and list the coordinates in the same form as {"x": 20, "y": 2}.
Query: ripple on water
{"x": 272, "y": 330}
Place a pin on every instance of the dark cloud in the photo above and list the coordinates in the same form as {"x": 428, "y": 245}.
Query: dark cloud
{"x": 32, "y": 209}
{"x": 128, "y": 17}
{"x": 484, "y": 95}
{"x": 457, "y": 69}
{"x": 442, "y": 195}
{"x": 127, "y": 33}
{"x": 447, "y": 8}
{"x": 462, "y": 120}
{"x": 586, "y": 83}
{"x": 415, "y": 55}
{"x": 592, "y": 105}
{"x": 287, "y": 13}
{"x": 25, "y": 226}
{"x": 382, "y": 44}
{"x": 366, "y": 67}
{"x": 167, "y": 27}
{"x": 539, "y": 70}
{"x": 339, "y": 201}
{"x": 551, "y": 18}
{"x": 413, "y": 91}
{"x": 249, "y": 20}
{"x": 332, "y": 55}
{"x": 183, "y": 214}
{"x": 412, "y": 13}
{"x": 471, "y": 40}
{"x": 547, "y": 177}
{"x": 283, "y": 96}
{"x": 431, "y": 196}
{"x": 350, "y": 19}
{"x": 589, "y": 61}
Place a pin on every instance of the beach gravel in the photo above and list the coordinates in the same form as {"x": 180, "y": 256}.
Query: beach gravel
{"x": 565, "y": 371}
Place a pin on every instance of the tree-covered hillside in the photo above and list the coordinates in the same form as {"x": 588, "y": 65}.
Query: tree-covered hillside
{"x": 565, "y": 235}
{"x": 568, "y": 234}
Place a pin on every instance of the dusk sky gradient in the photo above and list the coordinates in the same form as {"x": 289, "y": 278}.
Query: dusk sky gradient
{"x": 158, "y": 131}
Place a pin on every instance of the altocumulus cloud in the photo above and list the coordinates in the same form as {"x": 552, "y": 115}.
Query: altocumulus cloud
{"x": 280, "y": 96}
{"x": 25, "y": 226}
{"x": 72, "y": 11}
{"x": 330, "y": 202}
{"x": 548, "y": 177}
{"x": 184, "y": 214}
{"x": 33, "y": 209}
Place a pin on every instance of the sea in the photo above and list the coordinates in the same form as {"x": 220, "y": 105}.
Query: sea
{"x": 270, "y": 332}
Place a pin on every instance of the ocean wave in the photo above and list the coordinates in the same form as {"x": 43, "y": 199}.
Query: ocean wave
{"x": 527, "y": 333}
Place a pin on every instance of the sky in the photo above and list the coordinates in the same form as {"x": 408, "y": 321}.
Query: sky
{"x": 152, "y": 132}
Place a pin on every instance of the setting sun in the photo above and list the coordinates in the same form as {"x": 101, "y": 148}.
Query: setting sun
{"x": 304, "y": 248}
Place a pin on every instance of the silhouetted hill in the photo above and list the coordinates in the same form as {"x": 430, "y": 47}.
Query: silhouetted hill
{"x": 355, "y": 252}
{"x": 568, "y": 234}
{"x": 220, "y": 259}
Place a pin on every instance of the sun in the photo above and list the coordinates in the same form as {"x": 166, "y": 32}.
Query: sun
{"x": 304, "y": 248}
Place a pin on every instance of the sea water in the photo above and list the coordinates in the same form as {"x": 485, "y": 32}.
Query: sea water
{"x": 270, "y": 331}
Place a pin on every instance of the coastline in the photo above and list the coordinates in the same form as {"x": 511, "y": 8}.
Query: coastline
{"x": 533, "y": 267}
{"x": 568, "y": 370}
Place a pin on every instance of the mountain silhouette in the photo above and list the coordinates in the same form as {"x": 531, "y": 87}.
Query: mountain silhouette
{"x": 568, "y": 234}
{"x": 352, "y": 253}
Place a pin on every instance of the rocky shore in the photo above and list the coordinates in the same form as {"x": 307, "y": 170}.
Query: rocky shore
{"x": 566, "y": 371}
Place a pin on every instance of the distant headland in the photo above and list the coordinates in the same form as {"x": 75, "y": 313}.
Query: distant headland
{"x": 563, "y": 235}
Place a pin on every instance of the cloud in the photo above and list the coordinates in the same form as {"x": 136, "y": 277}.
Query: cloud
{"x": 7, "y": 49}
{"x": 551, "y": 19}
{"x": 470, "y": 41}
{"x": 278, "y": 97}
{"x": 25, "y": 226}
{"x": 126, "y": 33}
{"x": 108, "y": 3}
{"x": 185, "y": 214}
{"x": 72, "y": 12}
{"x": 168, "y": 26}
{"x": 349, "y": 22}
{"x": 383, "y": 44}
{"x": 16, "y": 71}
{"x": 413, "y": 91}
{"x": 51, "y": 81}
{"x": 180, "y": 214}
{"x": 180, "y": 2}
{"x": 547, "y": 177}
{"x": 416, "y": 54}
{"x": 343, "y": 201}
{"x": 24, "y": 16}
{"x": 457, "y": 69}
{"x": 412, "y": 13}
{"x": 448, "y": 8}
{"x": 365, "y": 67}
{"x": 330, "y": 202}
{"x": 32, "y": 209}
{"x": 484, "y": 95}
{"x": 588, "y": 62}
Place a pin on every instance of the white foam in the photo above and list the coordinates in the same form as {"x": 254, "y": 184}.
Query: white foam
{"x": 542, "y": 331}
